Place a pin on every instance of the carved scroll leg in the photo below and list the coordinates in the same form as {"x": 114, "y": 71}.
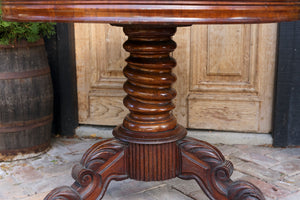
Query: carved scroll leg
{"x": 103, "y": 162}
{"x": 206, "y": 164}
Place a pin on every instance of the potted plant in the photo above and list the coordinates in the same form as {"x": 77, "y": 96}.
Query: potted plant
{"x": 26, "y": 95}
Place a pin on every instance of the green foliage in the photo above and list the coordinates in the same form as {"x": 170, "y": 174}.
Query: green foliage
{"x": 11, "y": 32}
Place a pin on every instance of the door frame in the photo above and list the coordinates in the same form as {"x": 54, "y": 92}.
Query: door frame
{"x": 286, "y": 120}
{"x": 61, "y": 56}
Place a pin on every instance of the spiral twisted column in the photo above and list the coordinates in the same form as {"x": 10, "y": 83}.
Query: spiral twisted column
{"x": 150, "y": 127}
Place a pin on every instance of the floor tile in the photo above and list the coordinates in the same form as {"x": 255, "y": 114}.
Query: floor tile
{"x": 294, "y": 196}
{"x": 289, "y": 168}
{"x": 275, "y": 171}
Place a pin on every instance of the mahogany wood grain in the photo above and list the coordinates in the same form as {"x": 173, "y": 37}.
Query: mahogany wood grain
{"x": 149, "y": 87}
{"x": 150, "y": 128}
{"x": 205, "y": 163}
{"x": 152, "y": 12}
{"x": 103, "y": 162}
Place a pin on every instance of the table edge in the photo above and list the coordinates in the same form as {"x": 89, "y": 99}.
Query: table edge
{"x": 204, "y": 12}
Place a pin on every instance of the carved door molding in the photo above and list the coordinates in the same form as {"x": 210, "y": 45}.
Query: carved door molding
{"x": 231, "y": 83}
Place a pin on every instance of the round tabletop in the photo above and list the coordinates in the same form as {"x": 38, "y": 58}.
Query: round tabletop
{"x": 180, "y": 12}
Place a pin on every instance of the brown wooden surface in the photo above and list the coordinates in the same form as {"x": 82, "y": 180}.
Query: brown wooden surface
{"x": 103, "y": 162}
{"x": 158, "y": 12}
{"x": 149, "y": 87}
{"x": 26, "y": 100}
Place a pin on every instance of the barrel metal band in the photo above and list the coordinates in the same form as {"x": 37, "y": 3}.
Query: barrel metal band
{"x": 25, "y": 74}
{"x": 21, "y": 126}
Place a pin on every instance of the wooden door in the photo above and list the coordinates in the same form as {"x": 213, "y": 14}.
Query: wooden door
{"x": 225, "y": 76}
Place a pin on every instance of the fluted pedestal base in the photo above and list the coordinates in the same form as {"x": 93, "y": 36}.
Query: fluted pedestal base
{"x": 152, "y": 162}
{"x": 150, "y": 145}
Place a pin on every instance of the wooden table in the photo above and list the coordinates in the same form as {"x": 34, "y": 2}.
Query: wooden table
{"x": 150, "y": 145}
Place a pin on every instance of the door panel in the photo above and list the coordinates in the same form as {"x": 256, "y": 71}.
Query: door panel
{"x": 232, "y": 74}
{"x": 225, "y": 83}
{"x": 100, "y": 59}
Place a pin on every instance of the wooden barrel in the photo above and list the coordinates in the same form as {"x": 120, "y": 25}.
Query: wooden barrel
{"x": 26, "y": 100}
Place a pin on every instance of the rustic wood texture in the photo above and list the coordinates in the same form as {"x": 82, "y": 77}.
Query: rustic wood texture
{"x": 231, "y": 83}
{"x": 234, "y": 96}
{"x": 154, "y": 12}
{"x": 182, "y": 56}
{"x": 100, "y": 78}
{"x": 26, "y": 100}
{"x": 99, "y": 63}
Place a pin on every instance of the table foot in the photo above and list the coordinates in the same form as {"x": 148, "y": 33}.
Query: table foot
{"x": 203, "y": 162}
{"x": 103, "y": 162}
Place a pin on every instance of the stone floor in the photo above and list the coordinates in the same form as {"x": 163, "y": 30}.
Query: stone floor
{"x": 276, "y": 171}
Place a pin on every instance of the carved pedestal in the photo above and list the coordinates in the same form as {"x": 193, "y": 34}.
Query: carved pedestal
{"x": 150, "y": 145}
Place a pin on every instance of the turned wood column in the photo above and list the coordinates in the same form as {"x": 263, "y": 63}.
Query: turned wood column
{"x": 150, "y": 128}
